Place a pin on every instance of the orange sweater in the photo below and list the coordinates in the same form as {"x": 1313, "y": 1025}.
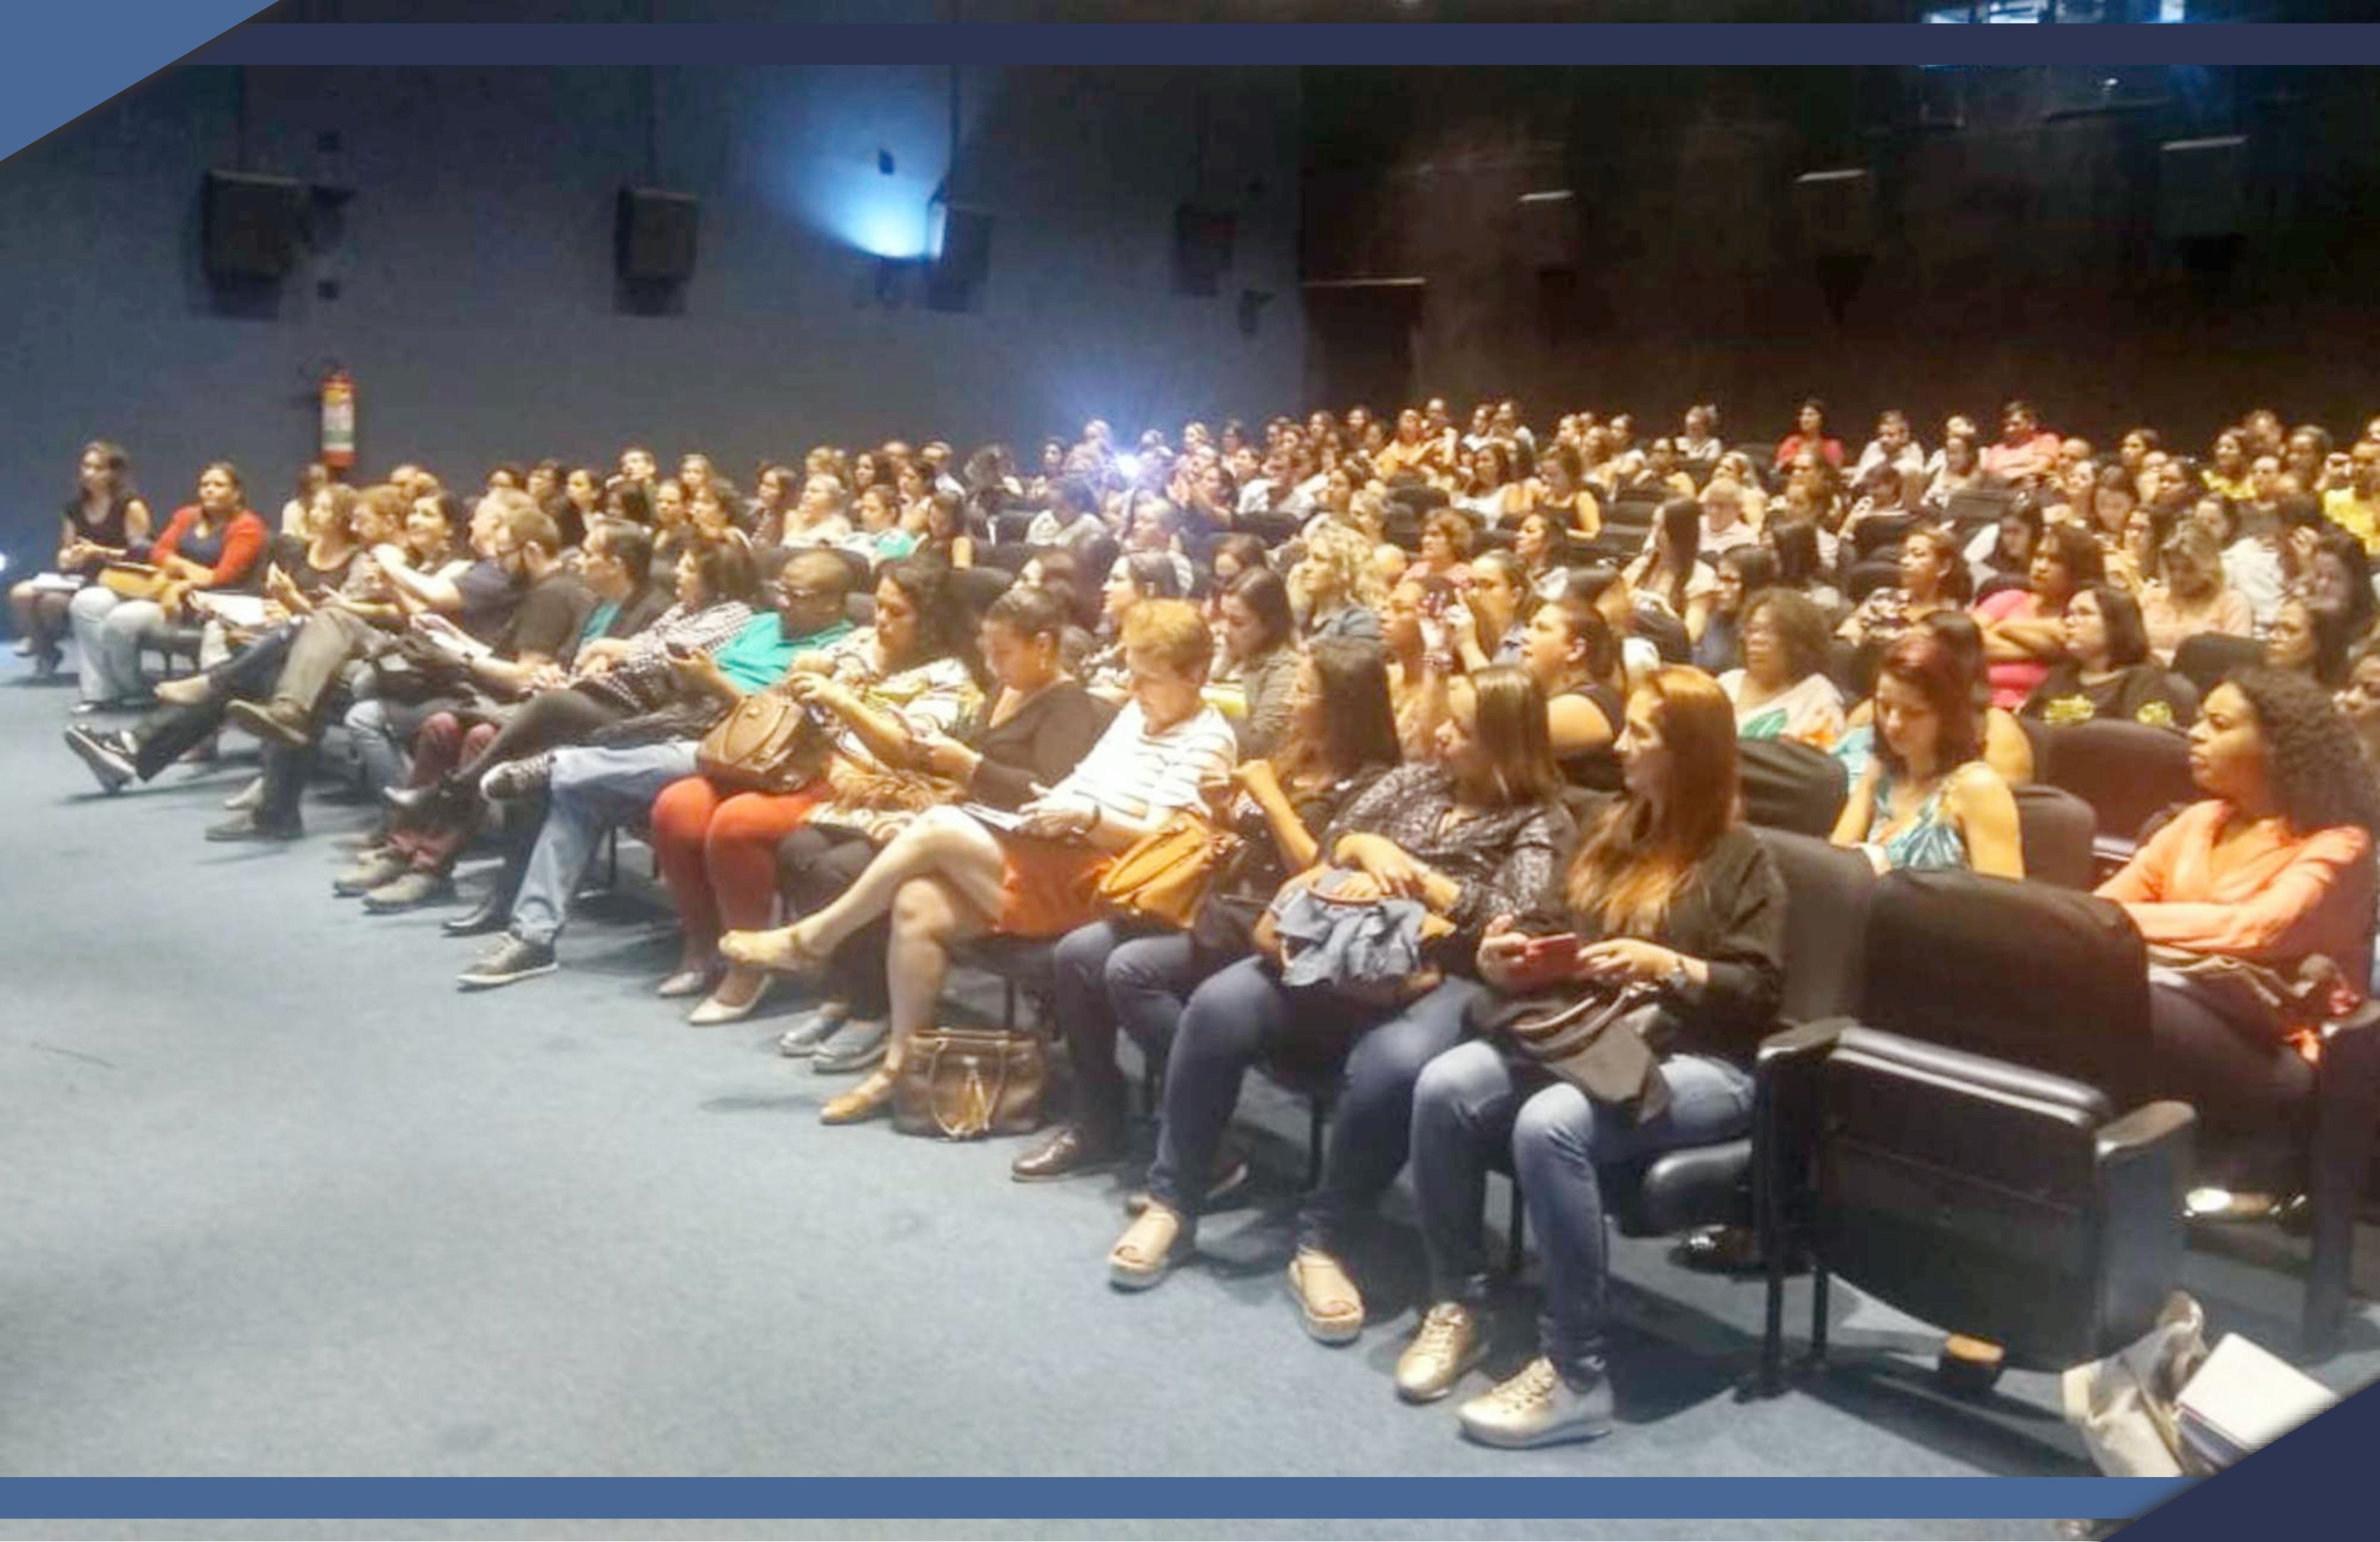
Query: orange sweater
{"x": 2280, "y": 899}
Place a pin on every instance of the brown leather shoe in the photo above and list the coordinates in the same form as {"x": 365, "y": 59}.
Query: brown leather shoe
{"x": 1070, "y": 1149}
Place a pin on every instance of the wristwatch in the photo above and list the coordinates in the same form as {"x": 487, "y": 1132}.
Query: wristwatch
{"x": 1678, "y": 984}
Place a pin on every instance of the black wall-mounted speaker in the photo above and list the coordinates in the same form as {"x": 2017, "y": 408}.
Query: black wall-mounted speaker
{"x": 656, "y": 235}
{"x": 252, "y": 224}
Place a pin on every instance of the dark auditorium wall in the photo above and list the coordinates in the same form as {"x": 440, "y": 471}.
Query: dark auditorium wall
{"x": 477, "y": 297}
{"x": 2016, "y": 250}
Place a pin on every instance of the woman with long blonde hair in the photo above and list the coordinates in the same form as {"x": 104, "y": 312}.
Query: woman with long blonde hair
{"x": 1669, "y": 890}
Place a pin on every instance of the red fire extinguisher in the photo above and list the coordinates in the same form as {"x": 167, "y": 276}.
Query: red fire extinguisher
{"x": 339, "y": 419}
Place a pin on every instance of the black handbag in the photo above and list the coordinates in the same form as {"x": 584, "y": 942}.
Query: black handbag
{"x": 1606, "y": 1046}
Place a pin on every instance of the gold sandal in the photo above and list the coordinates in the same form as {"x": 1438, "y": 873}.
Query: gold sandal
{"x": 1328, "y": 1301}
{"x": 1148, "y": 1249}
{"x": 781, "y": 951}
{"x": 864, "y": 1102}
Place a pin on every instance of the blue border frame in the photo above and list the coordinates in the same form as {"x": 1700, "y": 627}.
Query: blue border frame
{"x": 2292, "y": 1482}
{"x": 1243, "y": 44}
{"x": 1186, "y": 1499}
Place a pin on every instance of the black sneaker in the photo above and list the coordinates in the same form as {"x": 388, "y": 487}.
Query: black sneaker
{"x": 106, "y": 756}
{"x": 509, "y": 960}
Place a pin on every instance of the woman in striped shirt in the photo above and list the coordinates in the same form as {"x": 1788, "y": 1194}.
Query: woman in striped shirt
{"x": 950, "y": 877}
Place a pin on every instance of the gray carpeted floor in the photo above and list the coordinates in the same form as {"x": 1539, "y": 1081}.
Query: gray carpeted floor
{"x": 281, "y": 1200}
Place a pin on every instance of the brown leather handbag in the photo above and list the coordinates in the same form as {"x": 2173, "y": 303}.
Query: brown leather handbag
{"x": 769, "y": 743}
{"x": 964, "y": 1083}
{"x": 1164, "y": 878}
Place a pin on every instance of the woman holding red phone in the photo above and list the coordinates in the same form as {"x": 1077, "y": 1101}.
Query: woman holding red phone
{"x": 1668, "y": 888}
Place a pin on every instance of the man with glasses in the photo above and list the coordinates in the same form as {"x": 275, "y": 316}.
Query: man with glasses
{"x": 592, "y": 788}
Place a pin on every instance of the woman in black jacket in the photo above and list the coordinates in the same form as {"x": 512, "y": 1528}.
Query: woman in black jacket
{"x": 1669, "y": 890}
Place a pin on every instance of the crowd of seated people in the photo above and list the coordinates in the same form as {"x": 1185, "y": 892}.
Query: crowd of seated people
{"x": 1490, "y": 681}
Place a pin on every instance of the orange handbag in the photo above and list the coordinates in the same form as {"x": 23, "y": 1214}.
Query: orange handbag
{"x": 1165, "y": 877}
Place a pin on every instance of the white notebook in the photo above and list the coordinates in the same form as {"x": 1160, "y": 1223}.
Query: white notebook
{"x": 2245, "y": 1397}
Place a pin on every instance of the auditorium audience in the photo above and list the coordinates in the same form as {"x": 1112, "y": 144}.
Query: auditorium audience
{"x": 1422, "y": 711}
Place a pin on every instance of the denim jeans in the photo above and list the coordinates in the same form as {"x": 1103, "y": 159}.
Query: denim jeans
{"x": 592, "y": 790}
{"x": 109, "y": 632}
{"x": 1244, "y": 1014}
{"x": 1111, "y": 975}
{"x": 1476, "y": 1099}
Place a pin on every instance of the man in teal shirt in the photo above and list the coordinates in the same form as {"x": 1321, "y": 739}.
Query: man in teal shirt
{"x": 596, "y": 787}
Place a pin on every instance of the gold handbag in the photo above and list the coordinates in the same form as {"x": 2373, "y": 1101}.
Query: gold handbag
{"x": 1165, "y": 877}
{"x": 769, "y": 743}
{"x": 963, "y": 1084}
{"x": 132, "y": 580}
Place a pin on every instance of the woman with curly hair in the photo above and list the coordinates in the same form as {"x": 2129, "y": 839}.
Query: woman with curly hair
{"x": 2262, "y": 883}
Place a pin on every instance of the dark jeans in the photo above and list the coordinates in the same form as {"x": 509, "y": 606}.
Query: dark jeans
{"x": 1244, "y": 1014}
{"x": 815, "y": 865}
{"x": 167, "y": 733}
{"x": 1476, "y": 1100}
{"x": 1111, "y": 975}
{"x": 2252, "y": 1090}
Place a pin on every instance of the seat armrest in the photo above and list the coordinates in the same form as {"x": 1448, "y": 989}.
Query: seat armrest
{"x": 2142, "y": 1130}
{"x": 1799, "y": 1041}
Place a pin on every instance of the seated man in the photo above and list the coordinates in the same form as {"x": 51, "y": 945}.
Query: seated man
{"x": 593, "y": 787}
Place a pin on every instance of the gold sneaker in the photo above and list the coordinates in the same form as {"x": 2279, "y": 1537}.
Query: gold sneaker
{"x": 1536, "y": 1407}
{"x": 1447, "y": 1344}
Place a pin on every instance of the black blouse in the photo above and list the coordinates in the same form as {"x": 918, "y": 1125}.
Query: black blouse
{"x": 1041, "y": 741}
{"x": 1730, "y": 913}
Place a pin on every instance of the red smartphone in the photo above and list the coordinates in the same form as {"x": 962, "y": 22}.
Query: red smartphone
{"x": 1547, "y": 960}
{"x": 1558, "y": 951}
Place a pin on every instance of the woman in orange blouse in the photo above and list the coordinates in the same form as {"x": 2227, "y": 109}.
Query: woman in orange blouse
{"x": 2273, "y": 871}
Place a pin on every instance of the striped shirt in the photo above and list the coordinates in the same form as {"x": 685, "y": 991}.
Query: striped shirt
{"x": 1137, "y": 777}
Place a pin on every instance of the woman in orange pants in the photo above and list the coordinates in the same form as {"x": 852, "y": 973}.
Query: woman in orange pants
{"x": 913, "y": 675}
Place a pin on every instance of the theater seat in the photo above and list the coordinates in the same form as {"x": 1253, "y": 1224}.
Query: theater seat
{"x": 1789, "y": 785}
{"x": 2205, "y": 658}
{"x": 1964, "y": 1160}
{"x": 2056, "y": 829}
{"x": 1992, "y": 1199}
{"x": 2128, "y": 772}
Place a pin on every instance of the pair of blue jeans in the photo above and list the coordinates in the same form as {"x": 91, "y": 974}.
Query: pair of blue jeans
{"x": 1110, "y": 976}
{"x": 1244, "y": 1016}
{"x": 1479, "y": 1097}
